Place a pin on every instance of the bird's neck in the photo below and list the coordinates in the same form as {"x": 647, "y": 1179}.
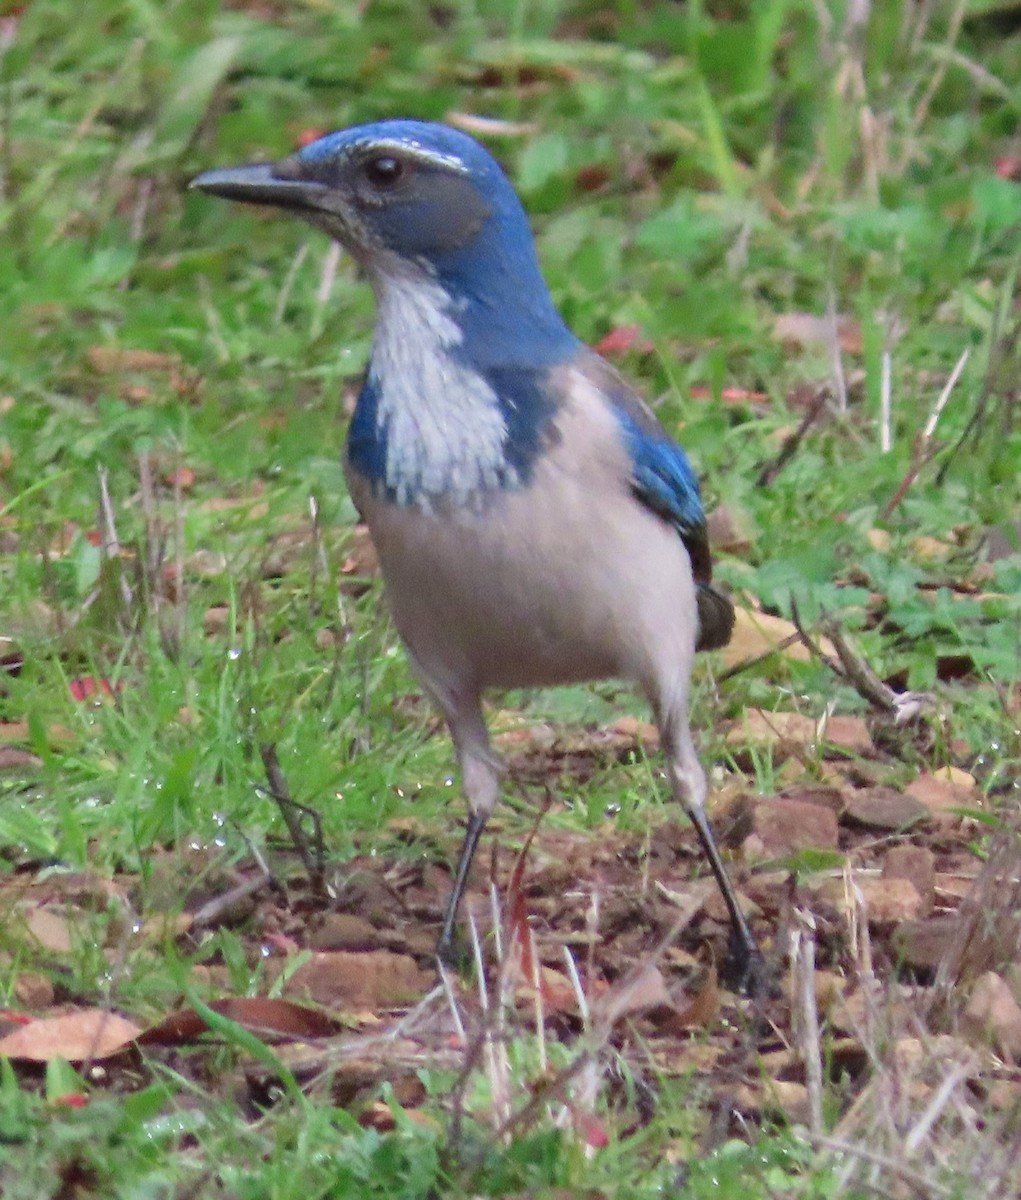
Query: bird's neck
{"x": 440, "y": 419}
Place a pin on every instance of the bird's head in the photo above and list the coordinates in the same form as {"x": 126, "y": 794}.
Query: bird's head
{"x": 413, "y": 199}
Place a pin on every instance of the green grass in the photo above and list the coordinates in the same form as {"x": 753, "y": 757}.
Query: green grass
{"x": 694, "y": 169}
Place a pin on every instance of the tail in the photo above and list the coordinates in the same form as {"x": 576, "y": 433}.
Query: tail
{"x": 715, "y": 617}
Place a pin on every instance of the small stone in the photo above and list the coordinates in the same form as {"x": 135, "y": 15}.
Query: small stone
{"x": 884, "y": 809}
{"x": 343, "y": 931}
{"x": 358, "y": 980}
{"x": 993, "y": 1013}
{"x": 33, "y": 991}
{"x": 890, "y": 902}
{"x": 785, "y": 826}
{"x": 887, "y": 901}
{"x": 917, "y": 864}
{"x": 941, "y": 796}
{"x": 922, "y": 945}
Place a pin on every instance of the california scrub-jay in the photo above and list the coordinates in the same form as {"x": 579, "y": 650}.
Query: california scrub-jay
{"x": 535, "y": 523}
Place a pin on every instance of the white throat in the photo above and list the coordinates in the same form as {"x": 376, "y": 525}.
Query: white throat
{"x": 444, "y": 432}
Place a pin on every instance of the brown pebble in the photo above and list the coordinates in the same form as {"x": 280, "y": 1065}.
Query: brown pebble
{"x": 917, "y": 864}
{"x": 786, "y": 826}
{"x": 883, "y": 808}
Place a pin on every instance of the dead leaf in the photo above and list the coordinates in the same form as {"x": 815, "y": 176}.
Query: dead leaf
{"x": 33, "y": 990}
{"x": 109, "y": 360}
{"x": 729, "y": 395}
{"x": 758, "y": 633}
{"x": 343, "y": 931}
{"x": 47, "y": 927}
{"x": 703, "y": 1008}
{"x": 266, "y": 1017}
{"x": 725, "y": 534}
{"x": 633, "y": 994}
{"x": 88, "y": 1034}
{"x": 622, "y": 340}
{"x": 362, "y": 558}
{"x": 806, "y": 331}
{"x": 774, "y": 1095}
{"x": 13, "y": 758}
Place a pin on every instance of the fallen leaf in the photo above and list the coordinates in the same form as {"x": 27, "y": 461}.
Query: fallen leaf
{"x": 264, "y": 1016}
{"x": 804, "y": 331}
{"x": 729, "y": 395}
{"x": 107, "y": 360}
{"x": 774, "y": 1095}
{"x": 758, "y": 633}
{"x": 703, "y": 1008}
{"x": 181, "y": 478}
{"x": 48, "y": 928}
{"x": 33, "y": 990}
{"x": 13, "y": 758}
{"x": 88, "y": 1034}
{"x": 633, "y": 994}
{"x": 623, "y": 339}
{"x": 890, "y": 901}
{"x": 89, "y": 687}
{"x": 724, "y": 534}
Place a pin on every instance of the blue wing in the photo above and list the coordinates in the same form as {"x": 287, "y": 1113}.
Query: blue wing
{"x": 663, "y": 478}
{"x": 664, "y": 481}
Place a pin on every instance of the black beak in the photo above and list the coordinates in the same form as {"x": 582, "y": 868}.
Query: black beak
{"x": 263, "y": 183}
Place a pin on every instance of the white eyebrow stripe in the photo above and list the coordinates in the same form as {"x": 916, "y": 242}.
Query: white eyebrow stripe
{"x": 413, "y": 150}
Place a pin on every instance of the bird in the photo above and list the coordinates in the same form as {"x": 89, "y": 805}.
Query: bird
{"x": 535, "y": 523}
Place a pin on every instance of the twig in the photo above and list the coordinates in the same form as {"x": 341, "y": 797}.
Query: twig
{"x": 854, "y": 670}
{"x": 111, "y": 543}
{"x": 903, "y": 706}
{"x": 285, "y": 288}
{"x": 939, "y": 74}
{"x": 290, "y": 810}
{"x": 803, "y": 966}
{"x": 770, "y": 471}
{"x": 924, "y": 1187}
{"x": 213, "y": 910}
{"x": 326, "y": 278}
{"x": 923, "y": 446}
{"x": 833, "y": 337}
{"x": 885, "y": 405}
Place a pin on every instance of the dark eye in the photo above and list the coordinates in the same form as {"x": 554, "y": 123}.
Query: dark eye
{"x": 384, "y": 172}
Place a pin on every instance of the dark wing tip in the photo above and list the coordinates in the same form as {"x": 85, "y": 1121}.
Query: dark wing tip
{"x": 715, "y": 617}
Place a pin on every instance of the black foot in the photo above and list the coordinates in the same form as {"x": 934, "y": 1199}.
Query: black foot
{"x": 747, "y": 971}
{"x": 452, "y": 951}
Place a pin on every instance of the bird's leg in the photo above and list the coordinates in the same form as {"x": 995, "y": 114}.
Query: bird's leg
{"x": 746, "y": 969}
{"x": 445, "y": 946}
{"x": 480, "y": 776}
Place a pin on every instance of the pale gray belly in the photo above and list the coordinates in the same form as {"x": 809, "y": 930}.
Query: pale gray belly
{"x": 581, "y": 586}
